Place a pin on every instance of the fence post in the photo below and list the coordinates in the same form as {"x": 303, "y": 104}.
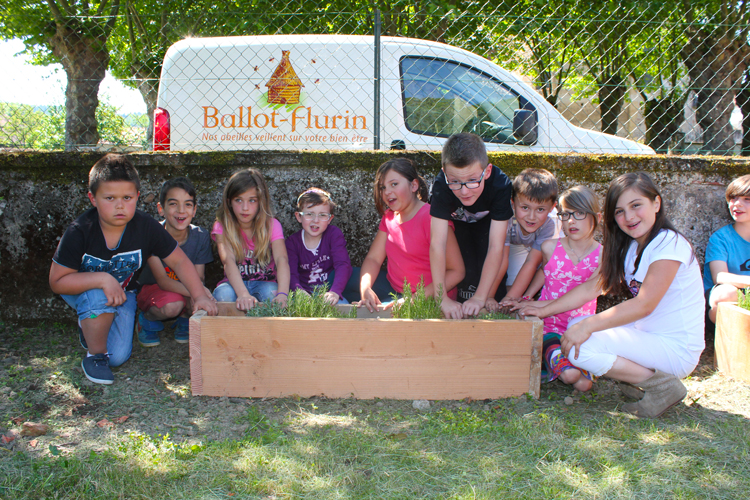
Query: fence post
{"x": 376, "y": 96}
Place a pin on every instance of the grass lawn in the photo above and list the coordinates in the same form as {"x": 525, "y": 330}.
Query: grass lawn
{"x": 146, "y": 437}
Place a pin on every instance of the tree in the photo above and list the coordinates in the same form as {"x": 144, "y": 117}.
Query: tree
{"x": 715, "y": 55}
{"x": 74, "y": 34}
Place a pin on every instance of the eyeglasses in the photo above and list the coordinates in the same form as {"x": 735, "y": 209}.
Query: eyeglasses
{"x": 576, "y": 215}
{"x": 310, "y": 216}
{"x": 455, "y": 186}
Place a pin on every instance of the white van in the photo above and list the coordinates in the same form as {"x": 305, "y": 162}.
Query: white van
{"x": 317, "y": 92}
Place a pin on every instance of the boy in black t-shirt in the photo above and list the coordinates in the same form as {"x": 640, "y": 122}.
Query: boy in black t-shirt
{"x": 476, "y": 196}
{"x": 97, "y": 257}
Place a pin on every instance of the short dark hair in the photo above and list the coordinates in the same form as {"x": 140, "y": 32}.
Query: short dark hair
{"x": 405, "y": 168}
{"x": 738, "y": 187}
{"x": 464, "y": 149}
{"x": 178, "y": 182}
{"x": 113, "y": 167}
{"x": 313, "y": 197}
{"x": 535, "y": 184}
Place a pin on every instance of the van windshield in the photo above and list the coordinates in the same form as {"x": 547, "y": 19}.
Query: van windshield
{"x": 443, "y": 97}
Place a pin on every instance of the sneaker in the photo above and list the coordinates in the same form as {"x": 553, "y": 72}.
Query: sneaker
{"x": 82, "y": 339}
{"x": 147, "y": 331}
{"x": 96, "y": 368}
{"x": 182, "y": 330}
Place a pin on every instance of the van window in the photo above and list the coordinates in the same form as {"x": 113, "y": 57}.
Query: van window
{"x": 442, "y": 97}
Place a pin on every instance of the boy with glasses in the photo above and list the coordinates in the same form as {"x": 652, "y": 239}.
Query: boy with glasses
{"x": 317, "y": 253}
{"x": 476, "y": 196}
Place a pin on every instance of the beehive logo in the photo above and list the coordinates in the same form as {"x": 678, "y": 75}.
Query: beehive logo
{"x": 284, "y": 86}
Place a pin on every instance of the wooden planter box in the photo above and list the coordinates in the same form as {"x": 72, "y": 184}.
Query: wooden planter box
{"x": 233, "y": 355}
{"x": 733, "y": 340}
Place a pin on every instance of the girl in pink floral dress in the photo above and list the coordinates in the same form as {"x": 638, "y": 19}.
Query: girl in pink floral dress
{"x": 568, "y": 262}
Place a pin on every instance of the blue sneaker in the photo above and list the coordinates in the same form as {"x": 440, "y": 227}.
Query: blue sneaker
{"x": 96, "y": 368}
{"x": 147, "y": 331}
{"x": 82, "y": 339}
{"x": 182, "y": 330}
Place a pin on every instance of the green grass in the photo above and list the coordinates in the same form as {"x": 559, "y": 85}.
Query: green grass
{"x": 416, "y": 305}
{"x": 743, "y": 300}
{"x": 301, "y": 305}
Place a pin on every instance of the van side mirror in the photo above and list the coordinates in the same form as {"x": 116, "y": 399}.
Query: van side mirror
{"x": 525, "y": 127}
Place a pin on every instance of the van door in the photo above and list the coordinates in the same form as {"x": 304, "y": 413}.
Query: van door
{"x": 441, "y": 97}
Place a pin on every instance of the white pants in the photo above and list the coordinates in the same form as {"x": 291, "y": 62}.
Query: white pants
{"x": 650, "y": 350}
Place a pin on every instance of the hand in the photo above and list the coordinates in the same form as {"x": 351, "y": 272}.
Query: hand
{"x": 209, "y": 294}
{"x": 281, "y": 299}
{"x": 206, "y": 303}
{"x": 491, "y": 305}
{"x": 451, "y": 308}
{"x": 370, "y": 300}
{"x": 509, "y": 301}
{"x": 522, "y": 304}
{"x": 472, "y": 306}
{"x": 531, "y": 309}
{"x": 113, "y": 291}
{"x": 246, "y": 302}
{"x": 574, "y": 337}
{"x": 332, "y": 298}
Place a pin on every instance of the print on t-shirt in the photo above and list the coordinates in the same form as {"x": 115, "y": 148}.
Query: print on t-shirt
{"x": 745, "y": 266}
{"x": 316, "y": 269}
{"x": 252, "y": 271}
{"x": 464, "y": 215}
{"x": 635, "y": 287}
{"x": 121, "y": 266}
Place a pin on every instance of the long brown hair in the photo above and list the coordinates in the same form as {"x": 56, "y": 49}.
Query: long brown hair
{"x": 406, "y": 168}
{"x": 239, "y": 183}
{"x": 616, "y": 242}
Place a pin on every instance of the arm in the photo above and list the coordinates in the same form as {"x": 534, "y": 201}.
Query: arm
{"x": 721, "y": 275}
{"x": 244, "y": 301}
{"x": 185, "y": 271}
{"x": 490, "y": 268}
{"x": 658, "y": 278}
{"x": 293, "y": 259}
{"x": 585, "y": 292}
{"x": 370, "y": 269}
{"x": 536, "y": 284}
{"x": 491, "y": 304}
{"x": 281, "y": 260}
{"x": 165, "y": 282}
{"x": 438, "y": 249}
{"x": 525, "y": 276}
{"x": 342, "y": 267}
{"x": 66, "y": 281}
{"x": 454, "y": 266}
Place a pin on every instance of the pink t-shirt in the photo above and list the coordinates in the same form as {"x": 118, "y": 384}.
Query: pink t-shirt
{"x": 407, "y": 248}
{"x": 249, "y": 268}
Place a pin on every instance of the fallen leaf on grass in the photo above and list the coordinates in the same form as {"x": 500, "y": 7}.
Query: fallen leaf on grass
{"x": 33, "y": 443}
{"x": 104, "y": 423}
{"x": 34, "y": 429}
{"x": 17, "y": 420}
{"x": 122, "y": 419}
{"x": 7, "y": 439}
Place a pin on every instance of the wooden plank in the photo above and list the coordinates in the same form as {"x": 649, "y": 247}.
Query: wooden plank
{"x": 535, "y": 368}
{"x": 733, "y": 340}
{"x": 196, "y": 360}
{"x": 432, "y": 359}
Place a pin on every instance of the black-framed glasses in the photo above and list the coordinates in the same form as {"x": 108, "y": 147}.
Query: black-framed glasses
{"x": 310, "y": 216}
{"x": 577, "y": 215}
{"x": 455, "y": 186}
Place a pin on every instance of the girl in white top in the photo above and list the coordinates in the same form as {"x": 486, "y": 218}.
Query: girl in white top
{"x": 655, "y": 338}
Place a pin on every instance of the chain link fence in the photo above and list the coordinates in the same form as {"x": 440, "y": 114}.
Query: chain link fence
{"x": 669, "y": 75}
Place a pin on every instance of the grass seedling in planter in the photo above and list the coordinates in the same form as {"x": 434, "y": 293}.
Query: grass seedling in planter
{"x": 494, "y": 315}
{"x": 416, "y": 305}
{"x": 301, "y": 305}
{"x": 743, "y": 300}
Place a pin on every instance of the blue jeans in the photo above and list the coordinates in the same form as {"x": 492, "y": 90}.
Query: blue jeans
{"x": 261, "y": 290}
{"x": 92, "y": 303}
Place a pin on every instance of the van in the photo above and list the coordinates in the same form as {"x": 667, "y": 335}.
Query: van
{"x": 317, "y": 92}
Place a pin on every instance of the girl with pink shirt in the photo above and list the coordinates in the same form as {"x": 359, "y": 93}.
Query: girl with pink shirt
{"x": 250, "y": 242}
{"x": 568, "y": 262}
{"x": 403, "y": 238}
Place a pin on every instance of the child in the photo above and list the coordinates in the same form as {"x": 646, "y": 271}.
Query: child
{"x": 317, "y": 253}
{"x": 251, "y": 245}
{"x": 162, "y": 296}
{"x": 569, "y": 262}
{"x": 404, "y": 237}
{"x": 97, "y": 257}
{"x": 534, "y": 197}
{"x": 656, "y": 337}
{"x": 476, "y": 197}
{"x": 727, "y": 266}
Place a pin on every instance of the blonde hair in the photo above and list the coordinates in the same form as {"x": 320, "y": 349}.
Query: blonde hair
{"x": 240, "y": 182}
{"x": 581, "y": 199}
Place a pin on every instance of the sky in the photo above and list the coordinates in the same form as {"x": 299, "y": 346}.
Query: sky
{"x": 24, "y": 83}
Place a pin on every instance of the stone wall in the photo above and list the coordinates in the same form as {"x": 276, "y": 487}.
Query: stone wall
{"x": 40, "y": 193}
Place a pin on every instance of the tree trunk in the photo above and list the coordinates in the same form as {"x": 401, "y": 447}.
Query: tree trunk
{"x": 611, "y": 93}
{"x": 149, "y": 91}
{"x": 85, "y": 60}
{"x": 663, "y": 118}
{"x": 714, "y": 64}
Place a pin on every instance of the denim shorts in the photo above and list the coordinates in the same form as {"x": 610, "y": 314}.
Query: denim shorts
{"x": 261, "y": 290}
{"x": 92, "y": 303}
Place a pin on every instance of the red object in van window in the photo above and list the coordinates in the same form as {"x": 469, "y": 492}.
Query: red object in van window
{"x": 161, "y": 129}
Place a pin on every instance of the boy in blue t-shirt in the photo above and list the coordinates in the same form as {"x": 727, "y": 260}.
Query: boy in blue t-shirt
{"x": 476, "y": 196}
{"x": 97, "y": 257}
{"x": 727, "y": 266}
{"x": 162, "y": 296}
